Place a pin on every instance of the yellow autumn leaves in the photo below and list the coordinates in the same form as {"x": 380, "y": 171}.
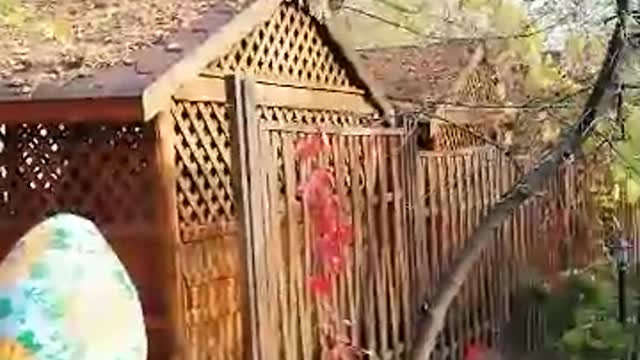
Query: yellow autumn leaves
{"x": 524, "y": 44}
{"x": 22, "y": 17}
{"x": 11, "y": 350}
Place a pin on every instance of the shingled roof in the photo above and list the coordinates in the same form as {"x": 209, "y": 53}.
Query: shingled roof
{"x": 57, "y": 42}
{"x": 433, "y": 73}
{"x": 119, "y": 49}
{"x": 416, "y": 74}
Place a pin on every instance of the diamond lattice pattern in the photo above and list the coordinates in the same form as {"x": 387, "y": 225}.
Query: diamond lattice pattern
{"x": 480, "y": 88}
{"x": 203, "y": 155}
{"x": 291, "y": 47}
{"x": 203, "y": 163}
{"x": 102, "y": 172}
{"x": 454, "y": 137}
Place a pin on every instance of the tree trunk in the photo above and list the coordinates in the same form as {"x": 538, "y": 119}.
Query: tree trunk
{"x": 431, "y": 325}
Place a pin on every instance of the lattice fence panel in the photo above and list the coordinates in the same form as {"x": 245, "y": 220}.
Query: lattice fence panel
{"x": 309, "y": 117}
{"x": 291, "y": 46}
{"x": 106, "y": 173}
{"x": 203, "y": 161}
{"x": 210, "y": 267}
{"x": 481, "y": 87}
{"x": 102, "y": 172}
{"x": 454, "y": 137}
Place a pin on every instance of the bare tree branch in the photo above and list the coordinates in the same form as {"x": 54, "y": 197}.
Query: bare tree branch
{"x": 533, "y": 104}
{"x": 411, "y": 30}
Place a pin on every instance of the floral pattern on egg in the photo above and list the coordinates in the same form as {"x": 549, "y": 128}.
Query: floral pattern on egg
{"x": 65, "y": 295}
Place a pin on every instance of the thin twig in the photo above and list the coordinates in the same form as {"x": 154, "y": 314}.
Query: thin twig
{"x": 524, "y": 34}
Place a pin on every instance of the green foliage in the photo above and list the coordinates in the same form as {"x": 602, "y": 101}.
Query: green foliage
{"x": 624, "y": 161}
{"x": 11, "y": 13}
{"x": 527, "y": 47}
{"x": 509, "y": 18}
{"x": 583, "y": 54}
{"x": 582, "y": 316}
{"x": 543, "y": 75}
{"x": 364, "y": 31}
{"x": 626, "y": 167}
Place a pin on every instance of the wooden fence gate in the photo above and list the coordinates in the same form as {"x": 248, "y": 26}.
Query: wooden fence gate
{"x": 373, "y": 170}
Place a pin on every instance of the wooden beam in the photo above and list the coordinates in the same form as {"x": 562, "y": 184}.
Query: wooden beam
{"x": 274, "y": 94}
{"x": 209, "y": 73}
{"x": 333, "y": 130}
{"x": 98, "y": 110}
{"x": 247, "y": 187}
{"x": 168, "y": 205}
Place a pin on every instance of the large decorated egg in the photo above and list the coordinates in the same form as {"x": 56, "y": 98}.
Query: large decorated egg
{"x": 64, "y": 295}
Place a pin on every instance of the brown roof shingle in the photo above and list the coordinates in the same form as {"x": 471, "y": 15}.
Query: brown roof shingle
{"x": 105, "y": 47}
{"x": 413, "y": 73}
{"x": 429, "y": 73}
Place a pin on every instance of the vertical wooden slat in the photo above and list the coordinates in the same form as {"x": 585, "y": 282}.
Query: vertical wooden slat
{"x": 384, "y": 302}
{"x": 443, "y": 238}
{"x": 309, "y": 345}
{"x": 496, "y": 175}
{"x": 357, "y": 204}
{"x": 504, "y": 252}
{"x": 398, "y": 260}
{"x": 295, "y": 244}
{"x": 477, "y": 164}
{"x": 273, "y": 275}
{"x": 277, "y": 267}
{"x": 483, "y": 194}
{"x": 494, "y": 264}
{"x": 335, "y": 159}
{"x": 422, "y": 274}
{"x": 513, "y": 255}
{"x": 436, "y": 218}
{"x": 463, "y": 205}
{"x": 372, "y": 279}
{"x": 409, "y": 161}
{"x": 245, "y": 147}
{"x": 165, "y": 157}
{"x": 456, "y": 243}
{"x": 469, "y": 158}
{"x": 474, "y": 218}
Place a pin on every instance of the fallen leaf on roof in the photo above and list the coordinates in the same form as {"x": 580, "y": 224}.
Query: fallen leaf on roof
{"x": 46, "y": 40}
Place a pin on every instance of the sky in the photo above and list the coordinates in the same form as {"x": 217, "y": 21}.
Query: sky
{"x": 566, "y": 16}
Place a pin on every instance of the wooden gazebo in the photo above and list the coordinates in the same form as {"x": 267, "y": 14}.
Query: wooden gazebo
{"x": 143, "y": 147}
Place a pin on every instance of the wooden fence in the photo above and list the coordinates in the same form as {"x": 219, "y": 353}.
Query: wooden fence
{"x": 411, "y": 214}
{"x": 373, "y": 175}
{"x": 454, "y": 192}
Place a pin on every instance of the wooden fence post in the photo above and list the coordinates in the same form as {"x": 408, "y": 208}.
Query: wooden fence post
{"x": 165, "y": 163}
{"x": 247, "y": 180}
